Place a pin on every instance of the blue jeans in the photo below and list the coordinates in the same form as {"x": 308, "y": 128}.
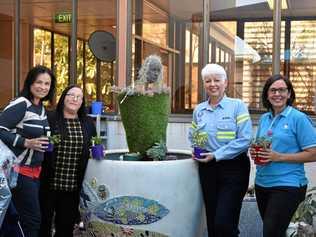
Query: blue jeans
{"x": 26, "y": 201}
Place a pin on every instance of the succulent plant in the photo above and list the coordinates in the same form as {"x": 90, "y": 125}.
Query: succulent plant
{"x": 96, "y": 140}
{"x": 264, "y": 142}
{"x": 157, "y": 151}
{"x": 197, "y": 136}
{"x": 54, "y": 139}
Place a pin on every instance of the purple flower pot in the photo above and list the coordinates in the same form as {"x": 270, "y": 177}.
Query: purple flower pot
{"x": 97, "y": 152}
{"x": 198, "y": 151}
{"x": 50, "y": 147}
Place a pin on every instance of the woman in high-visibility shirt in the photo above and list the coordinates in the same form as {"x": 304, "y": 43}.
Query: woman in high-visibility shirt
{"x": 224, "y": 170}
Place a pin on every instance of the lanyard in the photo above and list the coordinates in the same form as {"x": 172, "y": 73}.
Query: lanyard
{"x": 269, "y": 131}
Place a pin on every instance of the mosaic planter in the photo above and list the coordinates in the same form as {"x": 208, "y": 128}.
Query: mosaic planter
{"x": 153, "y": 198}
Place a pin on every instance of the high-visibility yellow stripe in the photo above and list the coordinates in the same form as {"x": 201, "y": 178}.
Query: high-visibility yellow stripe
{"x": 226, "y": 133}
{"x": 242, "y": 118}
{"x": 194, "y": 125}
{"x": 225, "y": 137}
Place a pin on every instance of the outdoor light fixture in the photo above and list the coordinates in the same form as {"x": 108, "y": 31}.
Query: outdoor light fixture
{"x": 271, "y": 4}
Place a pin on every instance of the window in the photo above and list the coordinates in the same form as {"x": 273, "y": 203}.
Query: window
{"x": 303, "y": 63}
{"x": 42, "y": 48}
{"x": 88, "y": 67}
{"x": 61, "y": 62}
{"x": 174, "y": 36}
{"x": 258, "y": 35}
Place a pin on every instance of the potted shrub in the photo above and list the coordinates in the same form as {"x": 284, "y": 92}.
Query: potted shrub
{"x": 198, "y": 139}
{"x": 53, "y": 140}
{"x": 260, "y": 144}
{"x": 97, "y": 148}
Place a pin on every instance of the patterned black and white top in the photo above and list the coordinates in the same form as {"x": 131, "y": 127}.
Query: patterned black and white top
{"x": 19, "y": 120}
{"x": 68, "y": 151}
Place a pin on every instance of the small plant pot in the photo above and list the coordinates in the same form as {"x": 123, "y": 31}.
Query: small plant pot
{"x": 131, "y": 157}
{"x": 50, "y": 147}
{"x": 258, "y": 160}
{"x": 96, "y": 107}
{"x": 197, "y": 152}
{"x": 97, "y": 152}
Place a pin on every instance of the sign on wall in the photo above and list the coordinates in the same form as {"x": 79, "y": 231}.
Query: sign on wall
{"x": 63, "y": 17}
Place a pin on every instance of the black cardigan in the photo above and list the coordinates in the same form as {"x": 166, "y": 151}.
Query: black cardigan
{"x": 48, "y": 165}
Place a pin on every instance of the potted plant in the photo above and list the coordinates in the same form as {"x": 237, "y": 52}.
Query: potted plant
{"x": 260, "y": 144}
{"x": 198, "y": 139}
{"x": 53, "y": 139}
{"x": 97, "y": 148}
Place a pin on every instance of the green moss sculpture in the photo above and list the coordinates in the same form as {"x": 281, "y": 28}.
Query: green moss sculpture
{"x": 145, "y": 119}
{"x": 145, "y": 107}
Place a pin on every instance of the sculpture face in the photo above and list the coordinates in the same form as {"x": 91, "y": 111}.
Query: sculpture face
{"x": 154, "y": 70}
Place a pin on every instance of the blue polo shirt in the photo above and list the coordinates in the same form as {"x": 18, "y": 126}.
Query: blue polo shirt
{"x": 228, "y": 126}
{"x": 291, "y": 132}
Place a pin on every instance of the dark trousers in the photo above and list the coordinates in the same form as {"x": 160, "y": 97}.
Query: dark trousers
{"x": 11, "y": 226}
{"x": 277, "y": 206}
{"x": 224, "y": 184}
{"x": 64, "y": 205}
{"x": 26, "y": 201}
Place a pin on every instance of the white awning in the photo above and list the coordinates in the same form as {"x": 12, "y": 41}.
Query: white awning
{"x": 244, "y": 51}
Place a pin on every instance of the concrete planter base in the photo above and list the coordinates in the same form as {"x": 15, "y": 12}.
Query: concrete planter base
{"x": 155, "y": 198}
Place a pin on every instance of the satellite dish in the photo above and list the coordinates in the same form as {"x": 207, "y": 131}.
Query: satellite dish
{"x": 103, "y": 46}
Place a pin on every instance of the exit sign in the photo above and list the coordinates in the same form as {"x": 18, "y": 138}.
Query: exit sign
{"x": 63, "y": 17}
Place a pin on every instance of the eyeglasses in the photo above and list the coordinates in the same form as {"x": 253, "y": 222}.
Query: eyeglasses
{"x": 280, "y": 90}
{"x": 76, "y": 97}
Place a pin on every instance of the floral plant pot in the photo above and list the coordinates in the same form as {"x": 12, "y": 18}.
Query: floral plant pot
{"x": 97, "y": 152}
{"x": 258, "y": 160}
{"x": 50, "y": 147}
{"x": 197, "y": 152}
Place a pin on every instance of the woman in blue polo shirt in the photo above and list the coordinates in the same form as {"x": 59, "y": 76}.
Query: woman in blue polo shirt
{"x": 280, "y": 183}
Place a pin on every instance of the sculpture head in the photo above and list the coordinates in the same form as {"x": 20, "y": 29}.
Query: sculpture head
{"x": 151, "y": 70}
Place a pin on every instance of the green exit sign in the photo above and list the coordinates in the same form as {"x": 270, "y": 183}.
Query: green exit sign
{"x": 63, "y": 17}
